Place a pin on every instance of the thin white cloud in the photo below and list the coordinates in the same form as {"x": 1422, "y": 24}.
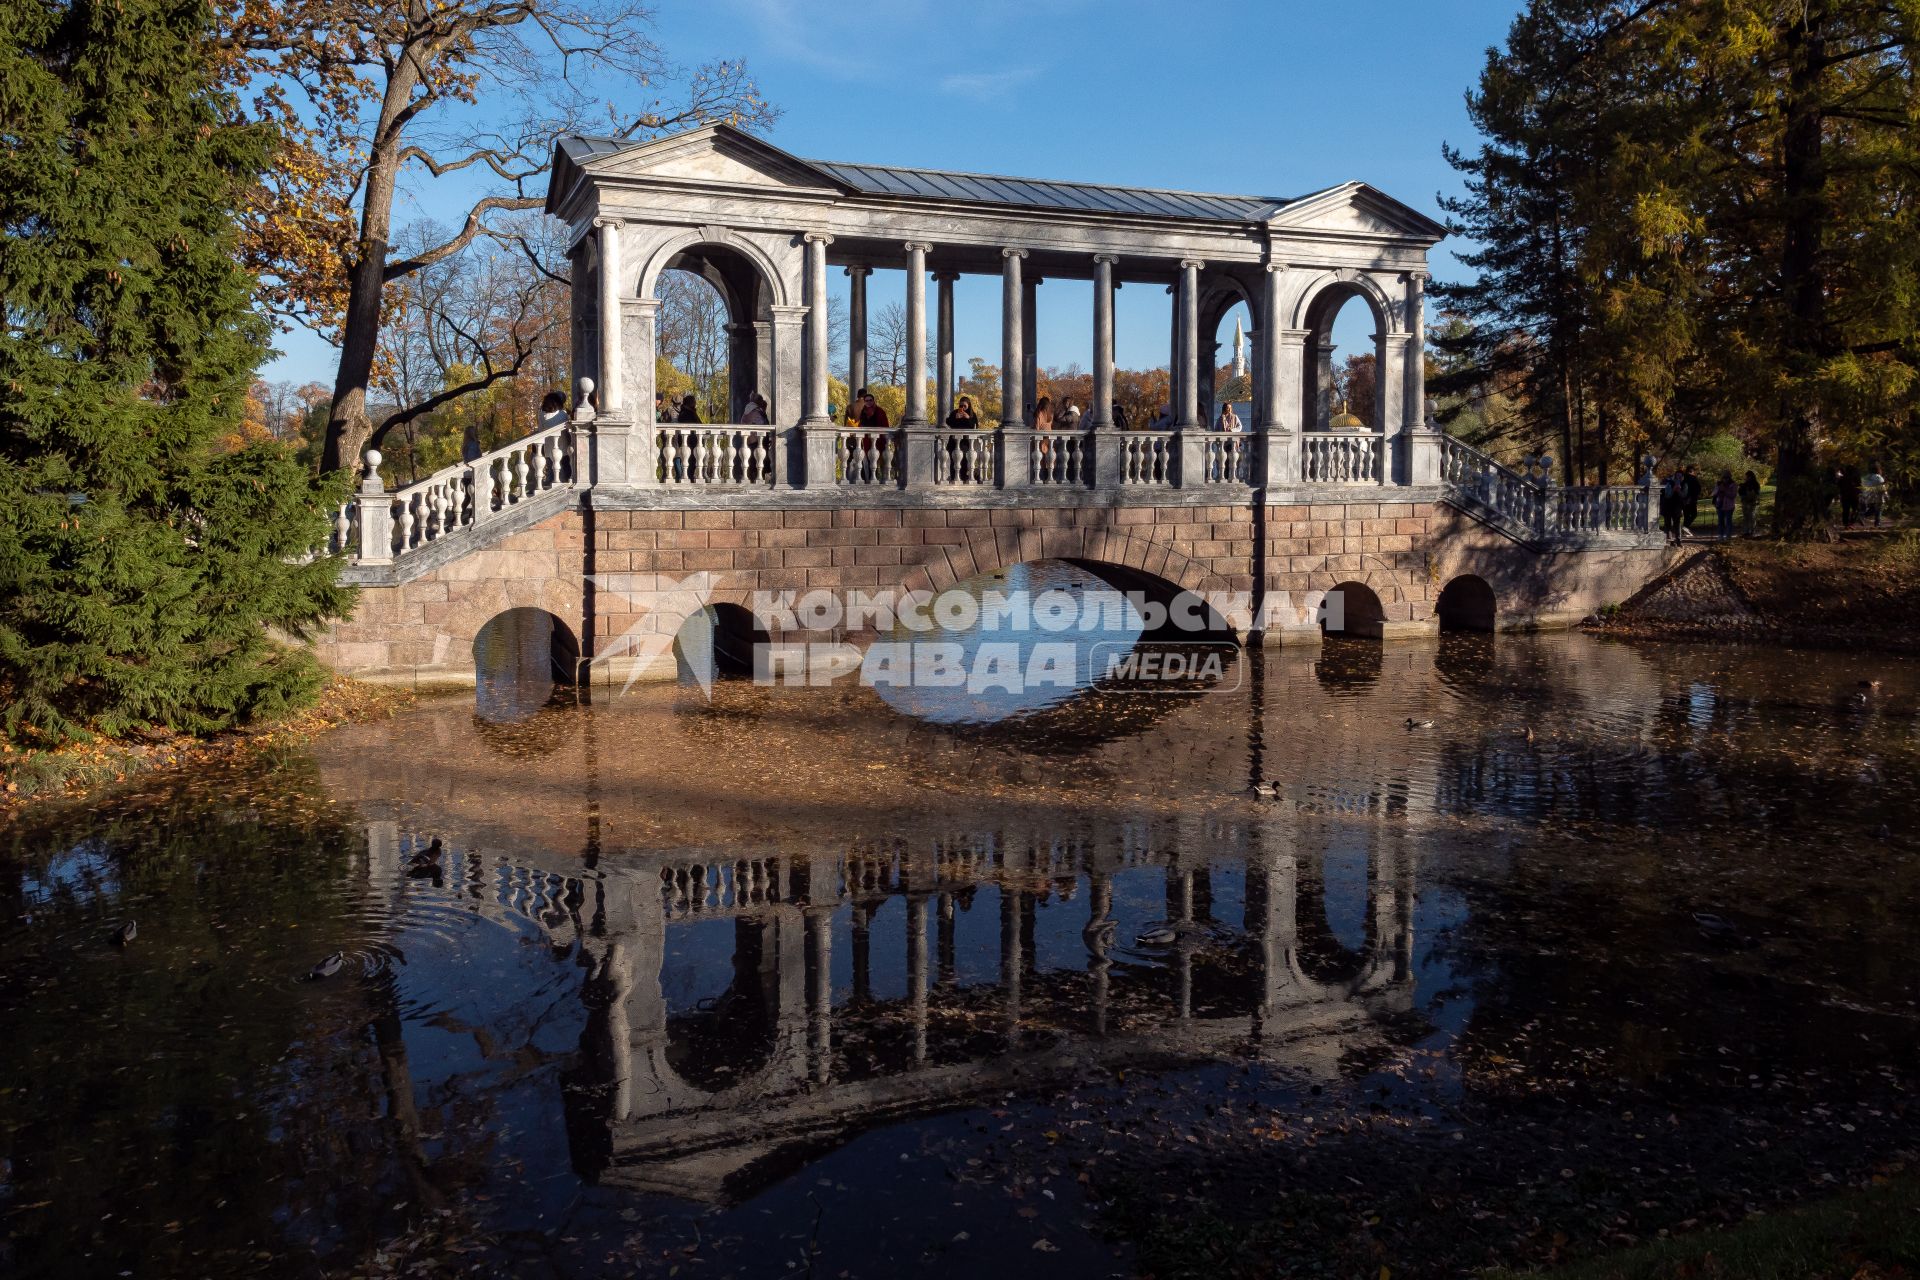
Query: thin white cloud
{"x": 987, "y": 85}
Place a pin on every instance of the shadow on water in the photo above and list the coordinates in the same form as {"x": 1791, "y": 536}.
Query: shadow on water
{"x": 800, "y": 973}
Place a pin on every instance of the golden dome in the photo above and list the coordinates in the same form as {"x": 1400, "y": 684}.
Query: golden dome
{"x": 1346, "y": 420}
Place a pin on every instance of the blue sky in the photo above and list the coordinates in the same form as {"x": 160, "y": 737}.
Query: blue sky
{"x": 1275, "y": 98}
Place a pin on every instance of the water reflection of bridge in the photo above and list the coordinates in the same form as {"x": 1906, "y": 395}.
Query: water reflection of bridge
{"x": 1180, "y": 958}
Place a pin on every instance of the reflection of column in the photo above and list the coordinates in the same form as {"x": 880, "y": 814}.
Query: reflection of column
{"x": 1100, "y": 412}
{"x": 816, "y": 389}
{"x": 1099, "y": 937}
{"x": 943, "y": 341}
{"x": 819, "y": 934}
{"x": 917, "y": 972}
{"x": 857, "y": 328}
{"x": 1012, "y": 961}
{"x": 916, "y": 412}
{"x": 1013, "y": 346}
{"x": 949, "y": 974}
{"x": 1180, "y": 909}
{"x": 862, "y": 953}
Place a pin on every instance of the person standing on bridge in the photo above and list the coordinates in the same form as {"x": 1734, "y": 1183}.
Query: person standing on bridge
{"x": 1689, "y": 499}
{"x": 1229, "y": 420}
{"x": 553, "y": 411}
{"x": 1043, "y": 414}
{"x": 1069, "y": 419}
{"x": 756, "y": 411}
{"x": 689, "y": 409}
{"x": 1119, "y": 416}
{"x": 1673, "y": 504}
{"x": 1725, "y": 494}
{"x": 963, "y": 418}
{"x": 1749, "y": 500}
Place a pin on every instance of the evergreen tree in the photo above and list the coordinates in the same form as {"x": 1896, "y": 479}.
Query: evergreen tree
{"x": 141, "y": 564}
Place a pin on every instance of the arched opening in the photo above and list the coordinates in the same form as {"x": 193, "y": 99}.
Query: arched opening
{"x": 1466, "y": 604}
{"x": 1003, "y": 647}
{"x": 1226, "y": 358}
{"x": 713, "y": 337}
{"x": 720, "y": 640}
{"x": 521, "y": 660}
{"x": 1353, "y": 609}
{"x": 1345, "y": 375}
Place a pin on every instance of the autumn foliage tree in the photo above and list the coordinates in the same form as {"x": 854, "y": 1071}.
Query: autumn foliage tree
{"x": 457, "y": 101}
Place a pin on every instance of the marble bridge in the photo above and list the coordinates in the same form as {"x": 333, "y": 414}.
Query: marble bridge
{"x": 1414, "y": 529}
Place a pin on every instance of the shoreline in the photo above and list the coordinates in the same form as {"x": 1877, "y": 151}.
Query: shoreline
{"x": 31, "y": 778}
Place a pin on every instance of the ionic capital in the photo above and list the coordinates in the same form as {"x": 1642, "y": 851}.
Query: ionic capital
{"x": 817, "y": 237}
{"x": 911, "y": 245}
{"x": 1192, "y": 264}
{"x": 857, "y": 271}
{"x": 1013, "y": 253}
{"x": 1111, "y": 259}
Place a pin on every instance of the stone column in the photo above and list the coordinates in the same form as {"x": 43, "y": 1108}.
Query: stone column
{"x": 916, "y": 413}
{"x": 1187, "y": 413}
{"x": 611, "y": 378}
{"x": 1100, "y": 412}
{"x": 1322, "y": 356}
{"x": 743, "y": 366}
{"x": 1396, "y": 429}
{"x": 1423, "y": 443}
{"x": 1278, "y": 365}
{"x": 943, "y": 340}
{"x": 815, "y": 414}
{"x": 817, "y": 439}
{"x": 1030, "y": 344}
{"x": 624, "y": 447}
{"x": 857, "y": 328}
{"x": 1013, "y": 344}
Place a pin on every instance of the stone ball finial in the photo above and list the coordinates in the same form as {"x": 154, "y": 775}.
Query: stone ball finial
{"x": 586, "y": 387}
{"x": 373, "y": 459}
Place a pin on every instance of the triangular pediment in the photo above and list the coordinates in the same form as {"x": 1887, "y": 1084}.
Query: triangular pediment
{"x": 718, "y": 155}
{"x": 1356, "y": 209}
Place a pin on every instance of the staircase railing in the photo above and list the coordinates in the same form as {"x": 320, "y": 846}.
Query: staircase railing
{"x": 1532, "y": 507}
{"x": 458, "y": 498}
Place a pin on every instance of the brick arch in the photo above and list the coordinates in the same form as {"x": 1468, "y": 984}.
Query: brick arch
{"x": 998, "y": 549}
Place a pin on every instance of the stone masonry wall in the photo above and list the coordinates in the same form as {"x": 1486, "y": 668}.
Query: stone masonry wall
{"x": 1405, "y": 552}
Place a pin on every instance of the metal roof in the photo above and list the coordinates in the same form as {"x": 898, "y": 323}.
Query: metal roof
{"x": 1041, "y": 193}
{"x": 986, "y": 188}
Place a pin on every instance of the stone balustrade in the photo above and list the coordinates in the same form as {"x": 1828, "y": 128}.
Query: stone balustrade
{"x": 458, "y": 499}
{"x": 727, "y": 459}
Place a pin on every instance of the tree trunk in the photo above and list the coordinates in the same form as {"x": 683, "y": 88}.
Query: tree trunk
{"x": 1803, "y": 345}
{"x": 348, "y": 426}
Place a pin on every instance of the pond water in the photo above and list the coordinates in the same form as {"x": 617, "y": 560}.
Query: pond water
{"x": 794, "y": 981}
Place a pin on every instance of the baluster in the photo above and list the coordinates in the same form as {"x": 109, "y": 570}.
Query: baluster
{"x": 518, "y": 489}
{"x": 342, "y": 528}
{"x": 403, "y": 526}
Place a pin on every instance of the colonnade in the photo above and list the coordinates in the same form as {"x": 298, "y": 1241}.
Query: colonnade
{"x": 1019, "y": 363}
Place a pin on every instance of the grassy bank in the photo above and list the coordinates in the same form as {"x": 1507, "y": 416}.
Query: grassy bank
{"x": 1868, "y": 1234}
{"x": 29, "y": 775}
{"x": 1863, "y": 590}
